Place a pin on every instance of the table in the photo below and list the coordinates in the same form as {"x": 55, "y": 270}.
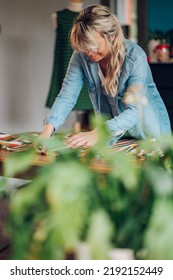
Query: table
{"x": 97, "y": 164}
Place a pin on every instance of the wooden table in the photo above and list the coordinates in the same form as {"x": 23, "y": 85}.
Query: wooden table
{"x": 41, "y": 160}
{"x": 96, "y": 164}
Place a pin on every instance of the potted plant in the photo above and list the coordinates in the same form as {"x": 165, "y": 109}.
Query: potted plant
{"x": 69, "y": 202}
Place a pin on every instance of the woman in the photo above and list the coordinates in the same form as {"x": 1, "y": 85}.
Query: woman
{"x": 118, "y": 78}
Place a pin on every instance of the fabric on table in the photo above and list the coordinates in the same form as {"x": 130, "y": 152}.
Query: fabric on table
{"x": 11, "y": 142}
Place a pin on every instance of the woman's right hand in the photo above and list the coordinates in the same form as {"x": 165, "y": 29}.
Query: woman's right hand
{"x": 48, "y": 130}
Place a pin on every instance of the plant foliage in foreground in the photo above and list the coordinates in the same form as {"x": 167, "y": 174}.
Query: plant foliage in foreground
{"x": 68, "y": 202}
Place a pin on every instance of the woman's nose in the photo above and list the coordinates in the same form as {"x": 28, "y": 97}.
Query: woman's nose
{"x": 90, "y": 52}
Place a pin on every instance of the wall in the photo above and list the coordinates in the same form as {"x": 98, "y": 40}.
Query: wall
{"x": 160, "y": 14}
{"x": 26, "y": 57}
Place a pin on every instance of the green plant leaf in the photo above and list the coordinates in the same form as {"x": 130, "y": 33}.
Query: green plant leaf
{"x": 18, "y": 162}
{"x": 100, "y": 234}
{"x": 158, "y": 237}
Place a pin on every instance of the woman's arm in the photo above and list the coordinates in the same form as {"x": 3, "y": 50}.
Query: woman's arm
{"x": 68, "y": 94}
{"x": 48, "y": 130}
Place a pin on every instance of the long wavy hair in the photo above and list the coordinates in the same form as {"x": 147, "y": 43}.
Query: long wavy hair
{"x": 98, "y": 18}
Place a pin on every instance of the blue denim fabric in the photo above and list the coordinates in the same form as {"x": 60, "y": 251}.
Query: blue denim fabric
{"x": 143, "y": 116}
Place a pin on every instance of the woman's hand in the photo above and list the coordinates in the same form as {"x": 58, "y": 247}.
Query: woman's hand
{"x": 45, "y": 134}
{"x": 83, "y": 139}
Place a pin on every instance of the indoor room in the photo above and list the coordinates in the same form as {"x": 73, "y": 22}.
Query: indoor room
{"x": 86, "y": 119}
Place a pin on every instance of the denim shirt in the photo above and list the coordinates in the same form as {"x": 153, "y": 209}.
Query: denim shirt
{"x": 141, "y": 112}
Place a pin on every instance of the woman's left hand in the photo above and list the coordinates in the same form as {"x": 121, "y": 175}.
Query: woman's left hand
{"x": 83, "y": 139}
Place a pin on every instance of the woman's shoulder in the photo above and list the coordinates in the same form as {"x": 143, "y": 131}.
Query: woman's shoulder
{"x": 80, "y": 56}
{"x": 133, "y": 51}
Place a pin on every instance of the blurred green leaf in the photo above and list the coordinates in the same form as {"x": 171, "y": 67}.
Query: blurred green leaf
{"x": 18, "y": 162}
{"x": 158, "y": 237}
{"x": 161, "y": 180}
{"x": 100, "y": 234}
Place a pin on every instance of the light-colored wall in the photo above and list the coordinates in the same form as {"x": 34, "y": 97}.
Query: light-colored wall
{"x": 26, "y": 59}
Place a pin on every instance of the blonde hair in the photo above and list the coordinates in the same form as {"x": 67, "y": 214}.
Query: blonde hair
{"x": 98, "y": 18}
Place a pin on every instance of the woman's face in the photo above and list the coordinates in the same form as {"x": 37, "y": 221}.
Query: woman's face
{"x": 101, "y": 52}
